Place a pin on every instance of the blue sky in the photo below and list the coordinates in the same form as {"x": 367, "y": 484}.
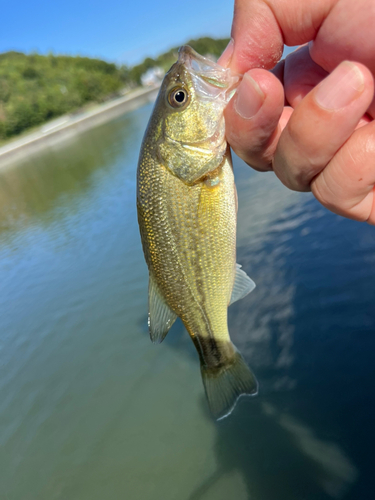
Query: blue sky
{"x": 121, "y": 31}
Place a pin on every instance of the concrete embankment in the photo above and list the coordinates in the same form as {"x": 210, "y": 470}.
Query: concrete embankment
{"x": 69, "y": 126}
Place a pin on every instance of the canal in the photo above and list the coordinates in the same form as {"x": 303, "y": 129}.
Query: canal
{"x": 90, "y": 409}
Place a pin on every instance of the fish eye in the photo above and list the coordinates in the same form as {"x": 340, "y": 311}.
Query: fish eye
{"x": 178, "y": 97}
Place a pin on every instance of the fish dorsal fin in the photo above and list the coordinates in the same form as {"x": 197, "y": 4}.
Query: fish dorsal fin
{"x": 242, "y": 285}
{"x": 160, "y": 315}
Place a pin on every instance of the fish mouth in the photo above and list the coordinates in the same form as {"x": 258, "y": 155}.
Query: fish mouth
{"x": 210, "y": 80}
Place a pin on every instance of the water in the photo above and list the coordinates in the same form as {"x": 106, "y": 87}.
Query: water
{"x": 90, "y": 409}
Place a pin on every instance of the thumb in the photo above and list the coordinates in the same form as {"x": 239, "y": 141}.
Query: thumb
{"x": 261, "y": 27}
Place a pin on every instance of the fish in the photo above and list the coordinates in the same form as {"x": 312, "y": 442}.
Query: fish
{"x": 187, "y": 214}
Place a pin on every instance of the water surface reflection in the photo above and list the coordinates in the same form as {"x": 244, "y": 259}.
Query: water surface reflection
{"x": 90, "y": 409}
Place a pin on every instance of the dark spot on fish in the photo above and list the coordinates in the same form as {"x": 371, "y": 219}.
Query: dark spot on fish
{"x": 213, "y": 352}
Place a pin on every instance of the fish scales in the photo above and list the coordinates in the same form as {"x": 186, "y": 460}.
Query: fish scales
{"x": 184, "y": 230}
{"x": 188, "y": 232}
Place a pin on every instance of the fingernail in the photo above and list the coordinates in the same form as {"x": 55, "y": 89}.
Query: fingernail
{"x": 226, "y": 56}
{"x": 249, "y": 98}
{"x": 341, "y": 87}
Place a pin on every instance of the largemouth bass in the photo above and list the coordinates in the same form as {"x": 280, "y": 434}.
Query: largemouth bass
{"x": 187, "y": 212}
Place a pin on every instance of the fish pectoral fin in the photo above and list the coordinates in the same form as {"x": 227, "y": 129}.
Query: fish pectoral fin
{"x": 242, "y": 285}
{"x": 160, "y": 315}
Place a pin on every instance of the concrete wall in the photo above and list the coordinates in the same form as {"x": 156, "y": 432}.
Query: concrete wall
{"x": 73, "y": 125}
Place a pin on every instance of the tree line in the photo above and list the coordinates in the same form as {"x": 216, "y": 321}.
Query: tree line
{"x": 35, "y": 88}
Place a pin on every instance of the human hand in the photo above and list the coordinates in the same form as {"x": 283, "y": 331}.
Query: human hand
{"x": 311, "y": 119}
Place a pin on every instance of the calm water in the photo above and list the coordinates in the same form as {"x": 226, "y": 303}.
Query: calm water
{"x": 91, "y": 410}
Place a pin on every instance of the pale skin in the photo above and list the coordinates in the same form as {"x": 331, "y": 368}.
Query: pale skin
{"x": 311, "y": 119}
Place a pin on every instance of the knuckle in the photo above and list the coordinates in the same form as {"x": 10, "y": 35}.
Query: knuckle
{"x": 369, "y": 144}
{"x": 359, "y": 152}
{"x": 295, "y": 161}
{"x": 322, "y": 192}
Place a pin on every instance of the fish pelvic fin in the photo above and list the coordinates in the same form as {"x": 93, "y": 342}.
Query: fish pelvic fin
{"x": 225, "y": 384}
{"x": 160, "y": 315}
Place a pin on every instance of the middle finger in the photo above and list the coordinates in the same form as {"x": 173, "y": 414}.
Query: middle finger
{"x": 321, "y": 123}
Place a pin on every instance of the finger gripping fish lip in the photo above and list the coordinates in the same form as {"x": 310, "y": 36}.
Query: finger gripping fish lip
{"x": 210, "y": 79}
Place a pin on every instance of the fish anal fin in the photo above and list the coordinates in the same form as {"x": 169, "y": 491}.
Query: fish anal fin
{"x": 224, "y": 385}
{"x": 242, "y": 285}
{"x": 160, "y": 315}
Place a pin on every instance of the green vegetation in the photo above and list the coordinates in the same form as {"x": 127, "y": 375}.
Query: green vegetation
{"x": 36, "y": 88}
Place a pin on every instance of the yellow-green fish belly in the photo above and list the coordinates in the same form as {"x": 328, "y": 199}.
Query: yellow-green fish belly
{"x": 189, "y": 238}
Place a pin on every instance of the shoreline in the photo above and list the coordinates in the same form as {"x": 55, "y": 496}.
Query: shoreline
{"x": 70, "y": 125}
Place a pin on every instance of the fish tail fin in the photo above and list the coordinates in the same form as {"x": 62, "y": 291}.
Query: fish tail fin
{"x": 225, "y": 384}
